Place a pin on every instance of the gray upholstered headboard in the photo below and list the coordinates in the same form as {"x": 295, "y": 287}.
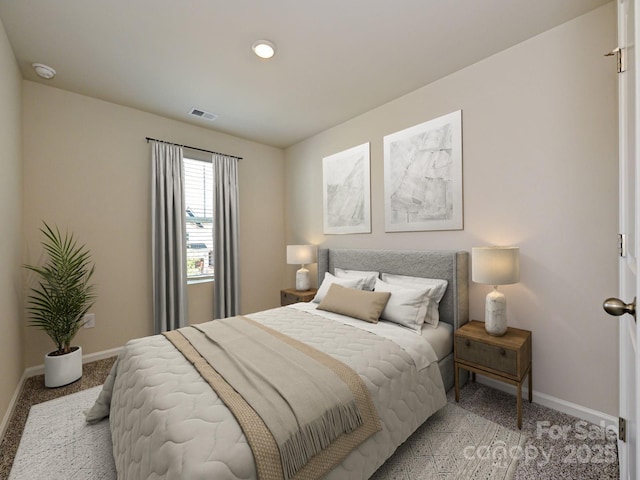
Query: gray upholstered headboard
{"x": 448, "y": 265}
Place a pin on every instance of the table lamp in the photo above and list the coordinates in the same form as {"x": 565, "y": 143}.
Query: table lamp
{"x": 302, "y": 255}
{"x": 495, "y": 266}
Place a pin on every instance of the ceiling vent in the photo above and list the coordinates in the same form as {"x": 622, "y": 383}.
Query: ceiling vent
{"x": 196, "y": 112}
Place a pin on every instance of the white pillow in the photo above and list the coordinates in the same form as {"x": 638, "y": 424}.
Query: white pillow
{"x": 369, "y": 277}
{"x": 330, "y": 279}
{"x": 406, "y": 306}
{"x": 437, "y": 289}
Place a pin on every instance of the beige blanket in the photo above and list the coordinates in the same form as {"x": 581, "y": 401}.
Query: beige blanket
{"x": 301, "y": 410}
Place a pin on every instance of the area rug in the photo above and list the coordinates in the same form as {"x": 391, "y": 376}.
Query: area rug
{"x": 57, "y": 443}
{"x": 456, "y": 444}
{"x": 453, "y": 444}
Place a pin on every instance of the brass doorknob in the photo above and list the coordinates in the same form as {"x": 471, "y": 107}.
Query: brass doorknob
{"x": 616, "y": 307}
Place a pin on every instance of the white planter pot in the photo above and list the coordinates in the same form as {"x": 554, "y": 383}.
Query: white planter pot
{"x": 62, "y": 370}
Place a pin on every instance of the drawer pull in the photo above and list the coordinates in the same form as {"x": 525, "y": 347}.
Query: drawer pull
{"x": 503, "y": 352}
{"x": 467, "y": 342}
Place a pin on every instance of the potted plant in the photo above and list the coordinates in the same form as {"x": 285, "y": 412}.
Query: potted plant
{"x": 60, "y": 300}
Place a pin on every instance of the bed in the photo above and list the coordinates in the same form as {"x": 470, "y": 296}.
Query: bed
{"x": 452, "y": 266}
{"x": 166, "y": 422}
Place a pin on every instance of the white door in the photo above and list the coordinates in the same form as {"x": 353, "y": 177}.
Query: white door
{"x": 629, "y": 93}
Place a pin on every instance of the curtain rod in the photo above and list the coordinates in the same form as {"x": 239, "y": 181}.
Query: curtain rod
{"x": 192, "y": 148}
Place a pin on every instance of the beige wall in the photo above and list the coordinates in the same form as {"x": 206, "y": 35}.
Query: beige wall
{"x": 11, "y": 223}
{"x": 540, "y": 172}
{"x": 87, "y": 167}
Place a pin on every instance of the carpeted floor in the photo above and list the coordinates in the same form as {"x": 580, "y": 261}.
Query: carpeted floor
{"x": 558, "y": 446}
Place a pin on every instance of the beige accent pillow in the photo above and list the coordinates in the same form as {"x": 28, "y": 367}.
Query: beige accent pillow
{"x": 359, "y": 304}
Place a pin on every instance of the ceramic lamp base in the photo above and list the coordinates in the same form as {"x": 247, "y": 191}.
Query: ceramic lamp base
{"x": 495, "y": 315}
{"x": 303, "y": 282}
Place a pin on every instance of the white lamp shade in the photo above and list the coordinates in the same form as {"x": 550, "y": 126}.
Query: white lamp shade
{"x": 302, "y": 254}
{"x": 495, "y": 265}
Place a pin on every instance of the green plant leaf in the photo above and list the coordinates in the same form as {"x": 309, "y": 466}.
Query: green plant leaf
{"x": 63, "y": 294}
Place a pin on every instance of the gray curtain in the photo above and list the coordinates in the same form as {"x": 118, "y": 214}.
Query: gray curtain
{"x": 225, "y": 236}
{"x": 168, "y": 238}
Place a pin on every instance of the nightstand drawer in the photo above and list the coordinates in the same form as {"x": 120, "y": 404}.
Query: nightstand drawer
{"x": 490, "y": 356}
{"x": 289, "y": 296}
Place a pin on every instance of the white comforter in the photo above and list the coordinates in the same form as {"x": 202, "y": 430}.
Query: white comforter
{"x": 166, "y": 422}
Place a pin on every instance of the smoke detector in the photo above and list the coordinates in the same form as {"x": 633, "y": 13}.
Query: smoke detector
{"x": 44, "y": 71}
{"x": 196, "y": 112}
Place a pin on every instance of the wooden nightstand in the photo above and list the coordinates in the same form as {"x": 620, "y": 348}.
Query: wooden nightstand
{"x": 506, "y": 358}
{"x": 291, "y": 295}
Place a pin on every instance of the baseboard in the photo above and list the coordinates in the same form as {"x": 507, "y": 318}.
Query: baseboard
{"x": 12, "y": 404}
{"x": 90, "y": 357}
{"x": 564, "y": 406}
{"x": 39, "y": 370}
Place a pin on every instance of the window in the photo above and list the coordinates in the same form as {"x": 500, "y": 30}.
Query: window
{"x": 198, "y": 185}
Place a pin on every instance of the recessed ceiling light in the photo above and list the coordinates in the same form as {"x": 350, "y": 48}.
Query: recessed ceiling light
{"x": 44, "y": 71}
{"x": 264, "y": 48}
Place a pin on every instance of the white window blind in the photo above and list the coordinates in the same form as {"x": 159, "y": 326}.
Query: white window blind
{"x": 198, "y": 183}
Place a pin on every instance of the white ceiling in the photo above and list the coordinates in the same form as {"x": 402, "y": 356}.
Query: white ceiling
{"x": 335, "y": 59}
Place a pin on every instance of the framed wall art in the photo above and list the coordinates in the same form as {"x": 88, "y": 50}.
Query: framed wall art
{"x": 346, "y": 191}
{"x": 423, "y": 176}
